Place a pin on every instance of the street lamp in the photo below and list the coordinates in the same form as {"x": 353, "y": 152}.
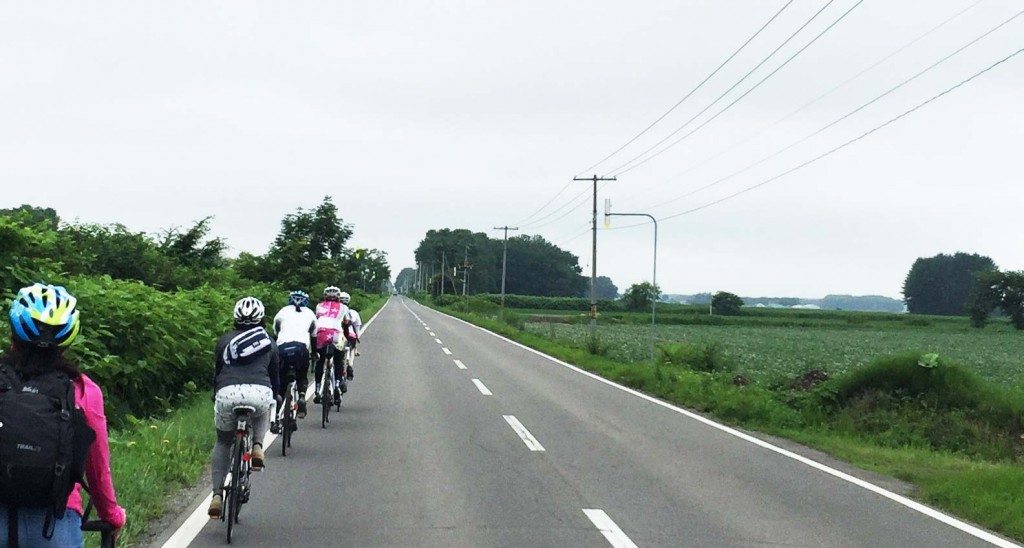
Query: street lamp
{"x": 654, "y": 275}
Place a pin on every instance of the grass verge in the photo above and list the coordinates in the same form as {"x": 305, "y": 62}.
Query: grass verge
{"x": 978, "y": 482}
{"x": 154, "y": 459}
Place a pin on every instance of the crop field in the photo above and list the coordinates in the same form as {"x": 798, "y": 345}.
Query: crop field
{"x": 767, "y": 353}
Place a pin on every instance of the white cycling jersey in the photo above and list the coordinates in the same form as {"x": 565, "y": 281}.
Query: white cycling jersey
{"x": 294, "y": 325}
{"x": 357, "y": 323}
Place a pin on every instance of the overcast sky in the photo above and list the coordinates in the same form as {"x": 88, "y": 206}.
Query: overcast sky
{"x": 471, "y": 114}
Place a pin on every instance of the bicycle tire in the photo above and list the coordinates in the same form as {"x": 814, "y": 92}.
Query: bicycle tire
{"x": 325, "y": 405}
{"x": 286, "y": 424}
{"x": 231, "y": 500}
{"x": 326, "y": 392}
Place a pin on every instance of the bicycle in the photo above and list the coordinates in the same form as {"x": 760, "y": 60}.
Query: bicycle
{"x": 287, "y": 416}
{"x": 236, "y": 485}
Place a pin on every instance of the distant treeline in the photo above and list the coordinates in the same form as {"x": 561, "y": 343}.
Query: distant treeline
{"x": 868, "y": 303}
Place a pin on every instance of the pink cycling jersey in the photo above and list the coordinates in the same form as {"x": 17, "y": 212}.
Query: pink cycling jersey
{"x": 328, "y": 322}
{"x": 89, "y": 398}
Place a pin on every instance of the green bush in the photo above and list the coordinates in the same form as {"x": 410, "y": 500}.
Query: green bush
{"x": 150, "y": 349}
{"x": 906, "y": 400}
{"x": 709, "y": 358}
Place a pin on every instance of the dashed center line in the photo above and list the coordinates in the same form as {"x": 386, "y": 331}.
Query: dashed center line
{"x": 531, "y": 442}
{"x": 438, "y": 341}
{"x": 459, "y": 364}
{"x": 432, "y": 334}
{"x": 608, "y": 528}
{"x": 483, "y": 389}
{"x": 445, "y": 350}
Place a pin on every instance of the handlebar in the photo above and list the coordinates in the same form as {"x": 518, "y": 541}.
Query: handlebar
{"x": 97, "y": 525}
{"x": 105, "y": 529}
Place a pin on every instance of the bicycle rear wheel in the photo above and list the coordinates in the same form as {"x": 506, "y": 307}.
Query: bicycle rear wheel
{"x": 325, "y": 403}
{"x": 231, "y": 498}
{"x": 286, "y": 424}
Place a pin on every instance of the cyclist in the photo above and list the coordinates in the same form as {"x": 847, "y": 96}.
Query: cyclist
{"x": 352, "y": 327}
{"x": 44, "y": 321}
{"x": 295, "y": 326}
{"x": 246, "y": 373}
{"x": 329, "y": 313}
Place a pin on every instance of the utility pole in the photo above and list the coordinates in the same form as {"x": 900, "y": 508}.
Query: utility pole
{"x": 443, "y": 272}
{"x": 593, "y": 256}
{"x": 465, "y": 277}
{"x": 504, "y": 260}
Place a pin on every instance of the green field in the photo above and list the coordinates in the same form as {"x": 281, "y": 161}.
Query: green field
{"x": 766, "y": 352}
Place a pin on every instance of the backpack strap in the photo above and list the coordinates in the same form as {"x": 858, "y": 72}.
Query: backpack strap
{"x": 12, "y": 526}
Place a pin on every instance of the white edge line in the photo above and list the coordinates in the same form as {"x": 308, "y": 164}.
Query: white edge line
{"x": 531, "y": 442}
{"x": 609, "y": 528}
{"x": 446, "y": 351}
{"x": 195, "y": 522}
{"x": 899, "y": 499}
{"x": 483, "y": 389}
{"x": 460, "y": 365}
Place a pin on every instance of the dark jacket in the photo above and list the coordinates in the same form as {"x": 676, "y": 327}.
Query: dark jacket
{"x": 263, "y": 370}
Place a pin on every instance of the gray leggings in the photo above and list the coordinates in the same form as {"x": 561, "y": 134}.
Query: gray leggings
{"x": 260, "y": 397}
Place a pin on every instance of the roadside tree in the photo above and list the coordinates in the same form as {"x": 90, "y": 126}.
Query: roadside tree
{"x": 726, "y": 304}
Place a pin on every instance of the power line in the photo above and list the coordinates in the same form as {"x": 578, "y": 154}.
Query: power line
{"x": 834, "y": 89}
{"x": 575, "y": 202}
{"x": 847, "y": 143}
{"x": 564, "y": 241}
{"x": 571, "y": 204}
{"x": 663, "y": 203}
{"x": 727, "y": 107}
{"x": 559, "y": 193}
{"x": 726, "y": 92}
{"x": 692, "y": 91}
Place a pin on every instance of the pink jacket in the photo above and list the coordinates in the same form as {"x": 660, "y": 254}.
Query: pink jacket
{"x": 89, "y": 398}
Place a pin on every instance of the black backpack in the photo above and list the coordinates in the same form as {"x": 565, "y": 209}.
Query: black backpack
{"x": 44, "y": 442}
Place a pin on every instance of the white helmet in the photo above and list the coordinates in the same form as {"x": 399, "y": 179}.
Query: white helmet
{"x": 249, "y": 311}
{"x": 332, "y": 293}
{"x": 344, "y": 297}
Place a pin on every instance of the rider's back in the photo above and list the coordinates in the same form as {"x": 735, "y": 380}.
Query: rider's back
{"x": 294, "y": 325}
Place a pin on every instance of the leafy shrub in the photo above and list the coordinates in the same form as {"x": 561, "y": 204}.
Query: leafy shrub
{"x": 709, "y": 358}
{"x": 514, "y": 319}
{"x": 149, "y": 349}
{"x": 913, "y": 400}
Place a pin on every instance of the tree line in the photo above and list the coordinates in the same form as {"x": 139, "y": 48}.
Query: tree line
{"x": 453, "y": 259}
{"x": 964, "y": 284}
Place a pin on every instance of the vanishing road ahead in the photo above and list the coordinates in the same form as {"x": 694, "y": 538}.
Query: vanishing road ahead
{"x": 451, "y": 436}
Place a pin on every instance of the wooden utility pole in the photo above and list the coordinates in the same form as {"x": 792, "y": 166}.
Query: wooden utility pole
{"x": 504, "y": 259}
{"x": 593, "y": 256}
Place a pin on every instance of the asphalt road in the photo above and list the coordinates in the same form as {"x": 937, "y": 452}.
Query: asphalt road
{"x": 517, "y": 450}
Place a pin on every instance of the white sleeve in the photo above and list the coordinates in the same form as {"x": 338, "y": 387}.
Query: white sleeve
{"x": 277, "y": 321}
